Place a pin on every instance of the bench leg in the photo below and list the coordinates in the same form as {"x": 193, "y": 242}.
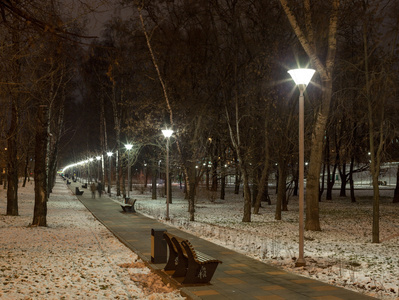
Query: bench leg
{"x": 197, "y": 273}
{"x": 181, "y": 267}
{"x": 172, "y": 261}
{"x": 130, "y": 209}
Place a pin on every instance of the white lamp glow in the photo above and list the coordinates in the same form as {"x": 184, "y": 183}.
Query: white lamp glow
{"x": 301, "y": 76}
{"x": 167, "y": 132}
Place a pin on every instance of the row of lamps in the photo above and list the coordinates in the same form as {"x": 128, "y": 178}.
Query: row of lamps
{"x": 301, "y": 78}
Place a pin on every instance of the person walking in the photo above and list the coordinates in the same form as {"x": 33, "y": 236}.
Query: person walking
{"x": 93, "y": 190}
{"x": 99, "y": 189}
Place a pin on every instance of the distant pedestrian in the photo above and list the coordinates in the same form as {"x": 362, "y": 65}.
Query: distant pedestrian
{"x": 93, "y": 190}
{"x": 99, "y": 188}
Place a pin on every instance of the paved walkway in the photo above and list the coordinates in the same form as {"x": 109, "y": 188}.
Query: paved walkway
{"x": 239, "y": 277}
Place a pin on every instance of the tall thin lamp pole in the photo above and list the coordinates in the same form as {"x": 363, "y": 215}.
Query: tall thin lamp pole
{"x": 167, "y": 133}
{"x": 302, "y": 78}
{"x": 128, "y": 147}
{"x": 98, "y": 167}
{"x": 90, "y": 161}
{"x": 109, "y": 171}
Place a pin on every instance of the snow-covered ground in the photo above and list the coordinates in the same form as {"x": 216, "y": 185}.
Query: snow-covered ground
{"x": 341, "y": 254}
{"x": 75, "y": 257}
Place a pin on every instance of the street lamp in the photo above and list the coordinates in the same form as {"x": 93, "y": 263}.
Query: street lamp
{"x": 90, "y": 161}
{"x": 167, "y": 133}
{"x": 301, "y": 77}
{"x": 98, "y": 167}
{"x": 128, "y": 148}
{"x": 109, "y": 171}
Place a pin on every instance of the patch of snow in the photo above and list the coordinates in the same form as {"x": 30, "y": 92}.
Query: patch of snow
{"x": 341, "y": 254}
{"x": 75, "y": 257}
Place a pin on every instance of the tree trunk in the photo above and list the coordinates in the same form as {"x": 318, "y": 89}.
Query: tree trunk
{"x": 247, "y": 196}
{"x": 351, "y": 183}
{"x": 214, "y": 175}
{"x": 26, "y": 175}
{"x": 330, "y": 181}
{"x": 281, "y": 192}
{"x": 222, "y": 184}
{"x": 237, "y": 180}
{"x": 343, "y": 176}
{"x": 191, "y": 200}
{"x": 255, "y": 185}
{"x": 207, "y": 178}
{"x": 263, "y": 186}
{"x": 12, "y": 163}
{"x": 312, "y": 186}
{"x": 323, "y": 178}
{"x": 396, "y": 193}
{"x": 296, "y": 183}
{"x": 55, "y": 137}
{"x": 40, "y": 209}
{"x": 154, "y": 181}
{"x": 222, "y": 176}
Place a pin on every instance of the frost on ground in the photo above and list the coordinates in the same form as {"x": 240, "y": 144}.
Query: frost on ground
{"x": 75, "y": 257}
{"x": 341, "y": 254}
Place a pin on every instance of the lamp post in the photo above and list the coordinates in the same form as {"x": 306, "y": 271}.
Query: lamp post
{"x": 109, "y": 171}
{"x": 87, "y": 173}
{"x": 167, "y": 133}
{"x": 90, "y": 161}
{"x": 98, "y": 167}
{"x": 301, "y": 77}
{"x": 128, "y": 148}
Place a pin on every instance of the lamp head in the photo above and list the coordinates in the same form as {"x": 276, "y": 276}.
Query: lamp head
{"x": 302, "y": 76}
{"x": 109, "y": 154}
{"x": 129, "y": 146}
{"x": 167, "y": 132}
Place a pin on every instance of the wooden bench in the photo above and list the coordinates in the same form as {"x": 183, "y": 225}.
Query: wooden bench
{"x": 129, "y": 205}
{"x": 194, "y": 266}
{"x": 201, "y": 267}
{"x": 78, "y": 192}
{"x": 177, "y": 260}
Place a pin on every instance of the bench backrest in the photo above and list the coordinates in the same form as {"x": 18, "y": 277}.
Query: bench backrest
{"x": 175, "y": 241}
{"x": 131, "y": 201}
{"x": 186, "y": 245}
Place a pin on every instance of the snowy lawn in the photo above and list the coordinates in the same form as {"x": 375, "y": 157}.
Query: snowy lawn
{"x": 75, "y": 257}
{"x": 341, "y": 254}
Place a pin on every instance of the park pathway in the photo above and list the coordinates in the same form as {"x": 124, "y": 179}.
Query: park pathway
{"x": 238, "y": 277}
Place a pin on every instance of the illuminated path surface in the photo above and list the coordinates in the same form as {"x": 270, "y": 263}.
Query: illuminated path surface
{"x": 238, "y": 277}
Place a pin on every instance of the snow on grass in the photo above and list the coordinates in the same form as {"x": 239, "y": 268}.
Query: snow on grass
{"x": 341, "y": 254}
{"x": 75, "y": 257}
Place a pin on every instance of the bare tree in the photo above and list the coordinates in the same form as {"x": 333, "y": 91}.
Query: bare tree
{"x": 323, "y": 62}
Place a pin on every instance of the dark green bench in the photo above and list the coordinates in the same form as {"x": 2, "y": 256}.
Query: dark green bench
{"x": 194, "y": 266}
{"x": 128, "y": 206}
{"x": 78, "y": 192}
